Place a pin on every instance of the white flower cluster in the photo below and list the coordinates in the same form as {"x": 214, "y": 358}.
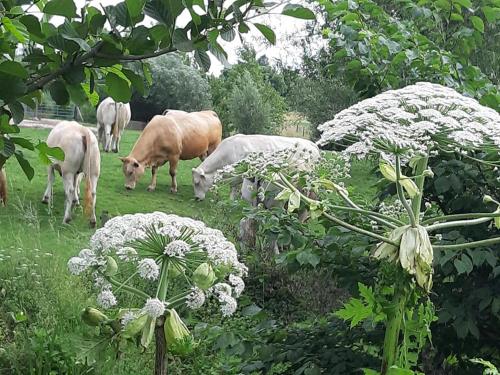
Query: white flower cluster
{"x": 256, "y": 164}
{"x": 417, "y": 119}
{"x": 115, "y": 238}
{"x": 394, "y": 209}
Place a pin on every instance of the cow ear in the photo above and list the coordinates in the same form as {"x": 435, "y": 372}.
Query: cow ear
{"x": 123, "y": 159}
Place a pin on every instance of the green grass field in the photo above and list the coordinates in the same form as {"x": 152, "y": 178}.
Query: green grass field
{"x": 25, "y": 212}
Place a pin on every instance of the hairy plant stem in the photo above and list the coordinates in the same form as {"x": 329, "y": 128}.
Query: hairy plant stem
{"x": 161, "y": 365}
{"x": 401, "y": 194}
{"x": 128, "y": 288}
{"x": 393, "y": 328}
{"x": 416, "y": 202}
{"x": 462, "y": 216}
{"x": 468, "y": 245}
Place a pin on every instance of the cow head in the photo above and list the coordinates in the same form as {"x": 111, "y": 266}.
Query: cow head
{"x": 132, "y": 170}
{"x": 201, "y": 183}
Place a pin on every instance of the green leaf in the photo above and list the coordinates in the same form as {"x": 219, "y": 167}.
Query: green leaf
{"x": 181, "y": 41}
{"x": 118, "y": 88}
{"x": 491, "y": 14}
{"x": 13, "y": 68}
{"x": 59, "y": 93}
{"x": 45, "y": 153}
{"x": 298, "y": 11}
{"x": 8, "y": 148}
{"x": 65, "y": 8}
{"x": 17, "y": 111}
{"x": 135, "y": 7}
{"x": 32, "y": 25}
{"x": 243, "y": 28}
{"x": 464, "y": 3}
{"x": 25, "y": 165}
{"x": 16, "y": 28}
{"x": 355, "y": 311}
{"x": 293, "y": 201}
{"x": 136, "y": 80}
{"x": 23, "y": 142}
{"x": 456, "y": 17}
{"x": 478, "y": 23}
{"x": 202, "y": 59}
{"x": 267, "y": 32}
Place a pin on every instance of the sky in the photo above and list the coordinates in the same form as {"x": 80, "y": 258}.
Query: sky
{"x": 286, "y": 29}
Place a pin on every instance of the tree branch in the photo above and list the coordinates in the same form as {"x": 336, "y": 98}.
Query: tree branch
{"x": 136, "y": 57}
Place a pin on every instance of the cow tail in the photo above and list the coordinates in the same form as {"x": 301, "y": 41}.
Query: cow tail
{"x": 116, "y": 129}
{"x": 3, "y": 187}
{"x": 87, "y": 170}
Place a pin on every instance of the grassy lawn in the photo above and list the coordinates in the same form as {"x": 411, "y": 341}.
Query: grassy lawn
{"x": 25, "y": 212}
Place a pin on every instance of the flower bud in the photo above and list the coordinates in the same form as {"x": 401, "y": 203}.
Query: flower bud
{"x": 428, "y": 173}
{"x": 135, "y": 326}
{"x": 111, "y": 267}
{"x": 93, "y": 317}
{"x": 177, "y": 335}
{"x": 204, "y": 276}
{"x": 488, "y": 199}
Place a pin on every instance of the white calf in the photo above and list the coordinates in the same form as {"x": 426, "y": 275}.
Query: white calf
{"x": 112, "y": 118}
{"x": 81, "y": 157}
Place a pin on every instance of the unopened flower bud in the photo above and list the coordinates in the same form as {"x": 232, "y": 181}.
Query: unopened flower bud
{"x": 93, "y": 317}
{"x": 488, "y": 199}
{"x": 177, "y": 335}
{"x": 204, "y": 276}
{"x": 428, "y": 173}
{"x": 111, "y": 267}
{"x": 133, "y": 327}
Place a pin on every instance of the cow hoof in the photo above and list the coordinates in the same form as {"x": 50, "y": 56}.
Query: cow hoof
{"x": 67, "y": 220}
{"x": 173, "y": 191}
{"x": 92, "y": 224}
{"x": 45, "y": 200}
{"x": 151, "y": 188}
{"x": 115, "y": 151}
{"x": 76, "y": 203}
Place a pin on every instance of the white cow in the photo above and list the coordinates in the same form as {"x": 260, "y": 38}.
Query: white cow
{"x": 81, "y": 157}
{"x": 112, "y": 118}
{"x": 236, "y": 148}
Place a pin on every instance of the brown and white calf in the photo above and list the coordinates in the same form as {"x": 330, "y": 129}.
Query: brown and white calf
{"x": 175, "y": 136}
{"x": 81, "y": 158}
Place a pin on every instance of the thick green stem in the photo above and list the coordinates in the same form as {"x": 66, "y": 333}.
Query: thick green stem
{"x": 416, "y": 202}
{"x": 393, "y": 329}
{"x": 468, "y": 245}
{"x": 161, "y": 292}
{"x": 401, "y": 194}
{"x": 461, "y": 216}
{"x": 459, "y": 223}
{"x": 128, "y": 288}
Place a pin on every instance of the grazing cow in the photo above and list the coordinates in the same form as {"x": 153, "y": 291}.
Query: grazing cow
{"x": 81, "y": 157}
{"x": 173, "y": 111}
{"x": 3, "y": 187}
{"x": 112, "y": 118}
{"x": 173, "y": 137}
{"x": 235, "y": 149}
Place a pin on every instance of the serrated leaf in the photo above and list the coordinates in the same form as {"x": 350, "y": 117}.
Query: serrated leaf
{"x": 267, "y": 32}
{"x": 65, "y": 8}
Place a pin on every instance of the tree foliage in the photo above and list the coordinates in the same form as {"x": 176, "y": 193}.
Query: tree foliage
{"x": 249, "y": 113}
{"x": 378, "y": 45}
{"x": 89, "y": 47}
{"x": 176, "y": 85}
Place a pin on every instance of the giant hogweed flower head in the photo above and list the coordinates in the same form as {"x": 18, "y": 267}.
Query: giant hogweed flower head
{"x": 148, "y": 241}
{"x": 415, "y": 120}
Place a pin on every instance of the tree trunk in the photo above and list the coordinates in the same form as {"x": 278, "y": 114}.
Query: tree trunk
{"x": 161, "y": 367}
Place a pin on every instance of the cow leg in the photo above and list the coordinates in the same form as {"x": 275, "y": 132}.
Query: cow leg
{"x": 116, "y": 146}
{"x": 154, "y": 174}
{"x": 50, "y": 183}
{"x": 100, "y": 135}
{"x": 107, "y": 137}
{"x": 173, "y": 170}
{"x": 93, "y": 190}
{"x": 69, "y": 194}
{"x": 78, "y": 179}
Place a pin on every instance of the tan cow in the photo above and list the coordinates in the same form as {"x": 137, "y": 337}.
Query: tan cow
{"x": 173, "y": 137}
{"x": 81, "y": 156}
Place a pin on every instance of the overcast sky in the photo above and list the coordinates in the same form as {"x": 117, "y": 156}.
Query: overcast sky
{"x": 285, "y": 28}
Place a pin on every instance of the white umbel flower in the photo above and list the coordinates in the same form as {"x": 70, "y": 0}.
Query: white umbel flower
{"x": 195, "y": 299}
{"x": 228, "y": 305}
{"x": 127, "y": 254}
{"x": 148, "y": 269}
{"x": 177, "y": 248}
{"x": 238, "y": 284}
{"x": 77, "y": 265}
{"x": 154, "y": 307}
{"x": 106, "y": 299}
{"x": 126, "y": 318}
